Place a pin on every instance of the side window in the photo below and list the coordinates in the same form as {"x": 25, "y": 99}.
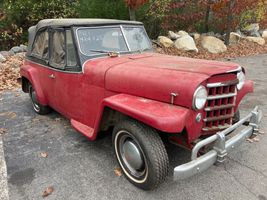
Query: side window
{"x": 71, "y": 52}
{"x": 57, "y": 55}
{"x": 40, "y": 46}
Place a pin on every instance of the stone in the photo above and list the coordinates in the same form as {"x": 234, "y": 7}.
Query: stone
{"x": 2, "y": 58}
{"x": 196, "y": 36}
{"x": 257, "y": 40}
{"x": 173, "y": 36}
{"x": 16, "y": 49}
{"x": 213, "y": 44}
{"x": 234, "y": 38}
{"x": 164, "y": 41}
{"x": 186, "y": 43}
{"x": 23, "y": 47}
{"x": 264, "y": 34}
{"x": 182, "y": 33}
{"x": 252, "y": 29}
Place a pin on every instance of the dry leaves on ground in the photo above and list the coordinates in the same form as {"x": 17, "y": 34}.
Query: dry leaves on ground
{"x": 118, "y": 171}
{"x": 48, "y": 191}
{"x": 9, "y": 115}
{"x": 9, "y": 72}
{"x": 2, "y": 131}
{"x": 44, "y": 154}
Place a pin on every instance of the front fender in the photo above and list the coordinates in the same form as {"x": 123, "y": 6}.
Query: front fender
{"x": 31, "y": 74}
{"x": 247, "y": 88}
{"x": 162, "y": 116}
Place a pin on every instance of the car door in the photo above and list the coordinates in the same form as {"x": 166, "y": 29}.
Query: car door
{"x": 67, "y": 74}
{"x": 40, "y": 57}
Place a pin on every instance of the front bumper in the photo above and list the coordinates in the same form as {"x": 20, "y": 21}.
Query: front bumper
{"x": 221, "y": 146}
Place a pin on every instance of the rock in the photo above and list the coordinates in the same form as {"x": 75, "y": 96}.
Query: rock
{"x": 173, "y": 36}
{"x": 182, "y": 33}
{"x": 264, "y": 34}
{"x": 234, "y": 38}
{"x": 16, "y": 49}
{"x": 2, "y": 58}
{"x": 23, "y": 47}
{"x": 196, "y": 36}
{"x": 186, "y": 43}
{"x": 252, "y": 29}
{"x": 257, "y": 40}
{"x": 213, "y": 44}
{"x": 164, "y": 41}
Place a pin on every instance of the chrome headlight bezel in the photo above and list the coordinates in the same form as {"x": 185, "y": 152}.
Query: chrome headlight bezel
{"x": 200, "y": 98}
{"x": 241, "y": 80}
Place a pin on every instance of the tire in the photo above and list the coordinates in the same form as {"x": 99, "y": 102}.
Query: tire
{"x": 37, "y": 107}
{"x": 140, "y": 153}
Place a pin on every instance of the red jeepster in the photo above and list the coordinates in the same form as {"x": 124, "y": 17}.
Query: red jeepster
{"x": 103, "y": 73}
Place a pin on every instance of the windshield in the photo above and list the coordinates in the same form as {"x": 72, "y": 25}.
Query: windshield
{"x": 121, "y": 39}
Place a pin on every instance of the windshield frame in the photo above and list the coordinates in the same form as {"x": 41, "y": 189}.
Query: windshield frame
{"x": 121, "y": 27}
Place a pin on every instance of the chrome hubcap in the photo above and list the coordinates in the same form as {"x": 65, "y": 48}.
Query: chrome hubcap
{"x": 132, "y": 156}
{"x": 34, "y": 100}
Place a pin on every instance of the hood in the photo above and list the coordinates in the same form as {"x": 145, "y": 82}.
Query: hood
{"x": 156, "y": 76}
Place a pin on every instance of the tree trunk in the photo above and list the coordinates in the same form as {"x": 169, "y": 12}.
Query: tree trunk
{"x": 132, "y": 14}
{"x": 207, "y": 17}
{"x": 231, "y": 4}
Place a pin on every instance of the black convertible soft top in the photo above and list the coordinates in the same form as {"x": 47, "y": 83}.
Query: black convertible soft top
{"x": 68, "y": 22}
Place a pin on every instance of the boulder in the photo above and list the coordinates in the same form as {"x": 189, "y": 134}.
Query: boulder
{"x": 252, "y": 29}
{"x": 16, "y": 49}
{"x": 2, "y": 58}
{"x": 257, "y": 40}
{"x": 213, "y": 44}
{"x": 164, "y": 41}
{"x": 196, "y": 36}
{"x": 234, "y": 38}
{"x": 182, "y": 33}
{"x": 264, "y": 34}
{"x": 186, "y": 43}
{"x": 23, "y": 47}
{"x": 173, "y": 36}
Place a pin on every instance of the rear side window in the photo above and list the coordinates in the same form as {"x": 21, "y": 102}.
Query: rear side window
{"x": 71, "y": 53}
{"x": 57, "y": 57}
{"x": 40, "y": 46}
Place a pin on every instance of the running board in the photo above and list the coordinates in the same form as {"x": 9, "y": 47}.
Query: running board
{"x": 82, "y": 128}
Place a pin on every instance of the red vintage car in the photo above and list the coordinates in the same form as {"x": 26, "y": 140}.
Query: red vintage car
{"x": 103, "y": 73}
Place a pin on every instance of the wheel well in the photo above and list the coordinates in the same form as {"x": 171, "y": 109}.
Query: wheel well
{"x": 25, "y": 84}
{"x": 109, "y": 118}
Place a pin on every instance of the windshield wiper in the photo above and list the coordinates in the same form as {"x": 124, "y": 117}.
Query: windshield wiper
{"x": 110, "y": 53}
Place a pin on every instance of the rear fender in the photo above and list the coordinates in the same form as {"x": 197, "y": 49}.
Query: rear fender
{"x": 31, "y": 75}
{"x": 162, "y": 116}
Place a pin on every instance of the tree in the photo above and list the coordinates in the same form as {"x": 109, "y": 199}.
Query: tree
{"x": 133, "y": 5}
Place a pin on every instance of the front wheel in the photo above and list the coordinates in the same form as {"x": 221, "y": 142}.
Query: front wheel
{"x": 38, "y": 108}
{"x": 140, "y": 153}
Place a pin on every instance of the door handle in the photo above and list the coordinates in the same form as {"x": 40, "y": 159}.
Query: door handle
{"x": 52, "y": 76}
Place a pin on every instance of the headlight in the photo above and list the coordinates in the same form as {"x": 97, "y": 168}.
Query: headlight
{"x": 200, "y": 98}
{"x": 241, "y": 79}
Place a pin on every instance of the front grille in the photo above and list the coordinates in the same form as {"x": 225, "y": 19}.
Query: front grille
{"x": 219, "y": 109}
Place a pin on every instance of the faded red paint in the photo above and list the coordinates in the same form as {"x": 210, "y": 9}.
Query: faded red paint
{"x": 136, "y": 85}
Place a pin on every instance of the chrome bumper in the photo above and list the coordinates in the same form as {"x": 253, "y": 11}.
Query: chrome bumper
{"x": 221, "y": 146}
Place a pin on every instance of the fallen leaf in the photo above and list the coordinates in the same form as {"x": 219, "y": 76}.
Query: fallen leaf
{"x": 57, "y": 119}
{"x": 17, "y": 95}
{"x": 118, "y": 171}
{"x": 48, "y": 191}
{"x": 2, "y": 131}
{"x": 256, "y": 139}
{"x": 1, "y": 99}
{"x": 261, "y": 132}
{"x": 43, "y": 154}
{"x": 250, "y": 140}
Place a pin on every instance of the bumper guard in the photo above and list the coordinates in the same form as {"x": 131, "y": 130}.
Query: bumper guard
{"x": 221, "y": 146}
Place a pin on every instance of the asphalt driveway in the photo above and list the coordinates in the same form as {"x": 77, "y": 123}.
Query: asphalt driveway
{"x": 79, "y": 169}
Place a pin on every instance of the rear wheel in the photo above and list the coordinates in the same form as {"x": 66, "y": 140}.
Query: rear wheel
{"x": 140, "y": 153}
{"x": 38, "y": 108}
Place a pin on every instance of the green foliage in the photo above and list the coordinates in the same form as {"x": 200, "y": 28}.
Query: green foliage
{"x": 19, "y": 15}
